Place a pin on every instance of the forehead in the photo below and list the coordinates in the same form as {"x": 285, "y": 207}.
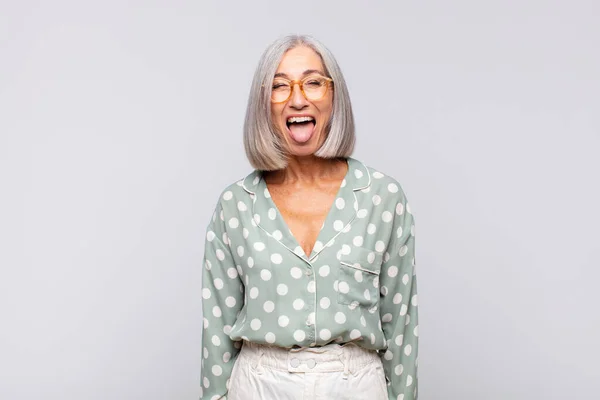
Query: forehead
{"x": 298, "y": 60}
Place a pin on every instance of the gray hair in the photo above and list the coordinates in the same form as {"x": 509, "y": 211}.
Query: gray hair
{"x": 264, "y": 147}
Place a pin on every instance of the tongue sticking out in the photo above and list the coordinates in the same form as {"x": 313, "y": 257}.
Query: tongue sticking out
{"x": 302, "y": 132}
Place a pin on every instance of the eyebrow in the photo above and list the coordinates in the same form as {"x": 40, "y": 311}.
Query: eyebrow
{"x": 305, "y": 73}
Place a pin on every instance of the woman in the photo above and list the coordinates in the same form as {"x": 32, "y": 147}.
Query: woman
{"x": 308, "y": 282}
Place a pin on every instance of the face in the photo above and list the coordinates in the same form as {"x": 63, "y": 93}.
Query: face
{"x": 302, "y": 135}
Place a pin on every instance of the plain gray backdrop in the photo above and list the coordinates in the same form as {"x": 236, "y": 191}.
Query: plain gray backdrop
{"x": 121, "y": 122}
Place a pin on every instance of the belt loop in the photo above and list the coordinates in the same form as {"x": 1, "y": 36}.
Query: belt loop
{"x": 346, "y": 363}
{"x": 259, "y": 368}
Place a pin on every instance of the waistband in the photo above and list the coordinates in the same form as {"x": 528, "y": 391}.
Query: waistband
{"x": 329, "y": 358}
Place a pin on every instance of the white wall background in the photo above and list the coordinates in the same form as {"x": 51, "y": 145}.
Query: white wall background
{"x": 120, "y": 123}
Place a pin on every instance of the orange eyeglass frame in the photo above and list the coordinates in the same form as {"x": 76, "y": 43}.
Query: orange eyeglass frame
{"x": 300, "y": 84}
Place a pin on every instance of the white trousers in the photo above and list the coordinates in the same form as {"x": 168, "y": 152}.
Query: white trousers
{"x": 340, "y": 372}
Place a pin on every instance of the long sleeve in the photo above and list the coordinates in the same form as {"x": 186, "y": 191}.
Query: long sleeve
{"x": 398, "y": 308}
{"x": 222, "y": 298}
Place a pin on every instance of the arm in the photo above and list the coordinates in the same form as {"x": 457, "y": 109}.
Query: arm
{"x": 398, "y": 308}
{"x": 222, "y": 298}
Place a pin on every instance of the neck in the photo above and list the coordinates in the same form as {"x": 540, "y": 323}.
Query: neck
{"x": 308, "y": 169}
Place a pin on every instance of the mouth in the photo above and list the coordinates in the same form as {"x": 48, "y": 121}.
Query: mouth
{"x": 301, "y": 128}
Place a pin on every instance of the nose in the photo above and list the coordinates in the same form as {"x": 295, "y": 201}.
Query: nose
{"x": 297, "y": 100}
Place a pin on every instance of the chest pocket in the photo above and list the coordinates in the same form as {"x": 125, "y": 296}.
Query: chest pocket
{"x": 358, "y": 277}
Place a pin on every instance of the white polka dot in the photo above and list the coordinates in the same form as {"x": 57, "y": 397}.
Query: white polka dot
{"x": 383, "y": 290}
{"x": 358, "y": 275}
{"x": 207, "y": 265}
{"x": 270, "y": 337}
{"x": 403, "y": 309}
{"x": 399, "y": 369}
{"x": 343, "y": 287}
{"x": 218, "y": 283}
{"x": 277, "y": 234}
{"x": 226, "y": 357}
{"x": 414, "y": 301}
{"x": 205, "y": 323}
{"x": 325, "y": 303}
{"x": 311, "y": 287}
{"x": 220, "y": 254}
{"x": 408, "y": 208}
{"x": 392, "y": 271}
{"x": 355, "y": 334}
{"x": 276, "y": 258}
{"x": 296, "y": 272}
{"x": 380, "y": 246}
{"x": 227, "y": 329}
{"x": 386, "y": 318}
{"x": 377, "y": 175}
{"x": 409, "y": 380}
{"x": 346, "y": 249}
{"x": 371, "y": 257}
{"x": 340, "y": 317}
{"x": 399, "y": 209}
{"x": 298, "y": 304}
{"x": 358, "y": 173}
{"x": 227, "y": 195}
{"x": 210, "y": 236}
{"x": 367, "y": 294}
{"x": 282, "y": 289}
{"x": 205, "y": 382}
{"x": 338, "y": 225}
{"x": 362, "y": 213}
{"x": 397, "y": 298}
{"x": 269, "y": 306}
{"x": 226, "y": 238}
{"x": 324, "y": 271}
{"x": 403, "y": 250}
{"x": 265, "y": 275}
{"x": 388, "y": 355}
{"x": 386, "y": 216}
{"x": 405, "y": 279}
{"x": 216, "y": 311}
{"x": 255, "y": 324}
{"x": 376, "y": 200}
{"x": 206, "y": 293}
{"x": 371, "y": 228}
{"x": 234, "y": 223}
{"x": 416, "y": 331}
{"x": 266, "y": 193}
{"x": 215, "y": 340}
{"x": 357, "y": 241}
{"x": 299, "y": 335}
{"x": 393, "y": 188}
{"x": 254, "y": 293}
{"x": 256, "y": 219}
{"x": 232, "y": 273}
{"x": 325, "y": 334}
{"x": 283, "y": 321}
{"x": 259, "y": 246}
{"x": 230, "y": 301}
{"x": 271, "y": 213}
{"x": 363, "y": 321}
{"x": 241, "y": 206}
{"x": 399, "y": 340}
{"x": 245, "y": 232}
{"x": 250, "y": 262}
{"x": 340, "y": 203}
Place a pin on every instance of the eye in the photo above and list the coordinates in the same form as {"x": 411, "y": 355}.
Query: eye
{"x": 278, "y": 85}
{"x": 314, "y": 82}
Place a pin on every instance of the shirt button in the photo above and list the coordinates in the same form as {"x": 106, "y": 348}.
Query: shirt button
{"x": 308, "y": 272}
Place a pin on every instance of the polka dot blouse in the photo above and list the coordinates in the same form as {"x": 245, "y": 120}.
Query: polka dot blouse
{"x": 358, "y": 284}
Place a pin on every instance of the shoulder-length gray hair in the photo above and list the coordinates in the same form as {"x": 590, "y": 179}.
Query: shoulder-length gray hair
{"x": 264, "y": 147}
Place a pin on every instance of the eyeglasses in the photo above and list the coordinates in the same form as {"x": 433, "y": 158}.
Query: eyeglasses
{"x": 313, "y": 88}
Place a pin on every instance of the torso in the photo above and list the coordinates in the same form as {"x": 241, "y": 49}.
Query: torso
{"x": 304, "y": 207}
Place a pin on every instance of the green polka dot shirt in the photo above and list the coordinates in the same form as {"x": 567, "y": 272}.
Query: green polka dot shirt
{"x": 357, "y": 285}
